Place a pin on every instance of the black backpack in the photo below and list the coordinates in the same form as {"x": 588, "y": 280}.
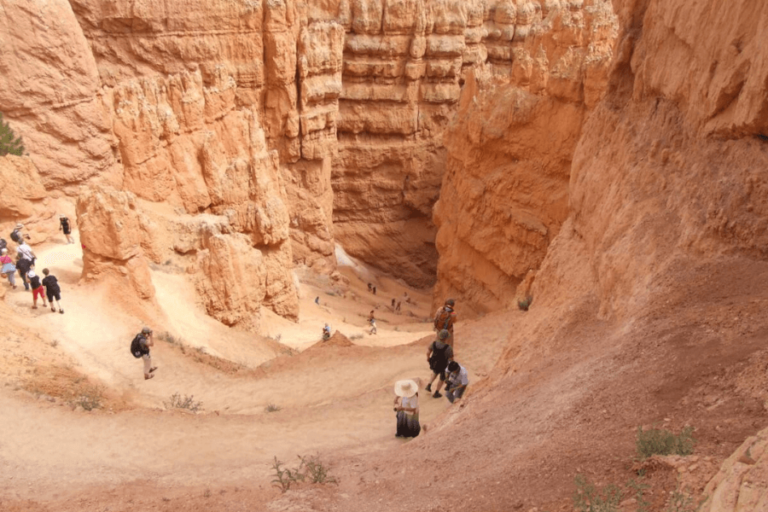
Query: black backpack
{"x": 3, "y": 244}
{"x": 136, "y": 349}
{"x": 438, "y": 354}
{"x": 15, "y": 236}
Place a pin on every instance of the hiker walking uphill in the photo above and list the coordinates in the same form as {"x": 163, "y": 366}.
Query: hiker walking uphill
{"x": 37, "y": 287}
{"x": 439, "y": 354}
{"x": 23, "y": 265}
{"x": 445, "y": 318}
{"x": 372, "y": 323}
{"x": 66, "y": 228}
{"x": 7, "y": 267}
{"x": 52, "y": 290}
{"x": 140, "y": 350}
{"x": 17, "y": 236}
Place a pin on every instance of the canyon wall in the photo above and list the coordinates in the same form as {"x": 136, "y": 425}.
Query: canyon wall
{"x": 505, "y": 192}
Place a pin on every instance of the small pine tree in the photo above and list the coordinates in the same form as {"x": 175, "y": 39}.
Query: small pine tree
{"x": 9, "y": 143}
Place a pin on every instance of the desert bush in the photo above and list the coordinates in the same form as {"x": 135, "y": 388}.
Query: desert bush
{"x": 309, "y": 468}
{"x": 316, "y": 471}
{"x": 356, "y": 337}
{"x": 170, "y": 338}
{"x": 272, "y": 408}
{"x": 188, "y": 403}
{"x": 589, "y": 498}
{"x": 525, "y": 303}
{"x": 681, "y": 502}
{"x": 663, "y": 442}
{"x": 88, "y": 397}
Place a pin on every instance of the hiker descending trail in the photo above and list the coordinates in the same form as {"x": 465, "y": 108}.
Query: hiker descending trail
{"x": 372, "y": 323}
{"x": 439, "y": 354}
{"x": 140, "y": 349}
{"x": 37, "y": 287}
{"x": 458, "y": 380}
{"x": 407, "y": 408}
{"x": 445, "y": 318}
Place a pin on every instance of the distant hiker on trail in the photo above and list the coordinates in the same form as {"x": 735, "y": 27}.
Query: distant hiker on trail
{"x": 445, "y": 318}
{"x": 439, "y": 354}
{"x": 317, "y": 300}
{"x": 372, "y": 322}
{"x": 7, "y": 267}
{"x": 23, "y": 265}
{"x": 393, "y": 304}
{"x": 457, "y": 381}
{"x": 37, "y": 287}
{"x": 374, "y": 290}
{"x": 65, "y": 227}
{"x": 140, "y": 350}
{"x": 16, "y": 234}
{"x": 52, "y": 290}
{"x": 398, "y": 307}
{"x": 406, "y": 298}
{"x": 370, "y": 287}
{"x": 326, "y": 332}
{"x": 407, "y": 408}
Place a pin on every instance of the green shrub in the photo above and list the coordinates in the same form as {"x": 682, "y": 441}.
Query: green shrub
{"x": 9, "y": 143}
{"x": 310, "y": 468}
{"x": 272, "y": 408}
{"x": 663, "y": 442}
{"x": 589, "y": 498}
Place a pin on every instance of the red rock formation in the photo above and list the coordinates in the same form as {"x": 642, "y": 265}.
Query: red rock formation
{"x": 49, "y": 88}
{"x": 111, "y": 233}
{"x": 505, "y": 193}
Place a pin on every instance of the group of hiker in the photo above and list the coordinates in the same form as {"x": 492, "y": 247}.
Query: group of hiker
{"x": 43, "y": 288}
{"x": 440, "y": 356}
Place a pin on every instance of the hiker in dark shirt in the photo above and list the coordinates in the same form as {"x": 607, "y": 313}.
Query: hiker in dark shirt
{"x": 439, "y": 354}
{"x": 140, "y": 349}
{"x": 66, "y": 228}
{"x": 23, "y": 265}
{"x": 52, "y": 290}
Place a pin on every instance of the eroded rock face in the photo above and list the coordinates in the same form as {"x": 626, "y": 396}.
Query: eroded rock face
{"x": 49, "y": 92}
{"x": 23, "y": 198}
{"x": 505, "y": 192}
{"x": 742, "y": 483}
{"x": 111, "y": 232}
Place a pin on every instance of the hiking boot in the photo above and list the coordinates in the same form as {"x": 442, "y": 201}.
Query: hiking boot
{"x": 429, "y": 387}
{"x": 53, "y": 309}
{"x": 437, "y": 395}
{"x": 149, "y": 376}
{"x": 61, "y": 311}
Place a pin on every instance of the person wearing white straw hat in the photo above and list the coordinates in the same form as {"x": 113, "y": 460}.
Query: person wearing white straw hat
{"x": 407, "y": 408}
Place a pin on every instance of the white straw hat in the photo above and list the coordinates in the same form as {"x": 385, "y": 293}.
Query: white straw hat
{"x": 406, "y": 388}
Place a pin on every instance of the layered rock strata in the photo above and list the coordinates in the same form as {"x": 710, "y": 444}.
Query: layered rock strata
{"x": 505, "y": 192}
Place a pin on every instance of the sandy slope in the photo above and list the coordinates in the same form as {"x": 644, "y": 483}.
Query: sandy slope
{"x": 331, "y": 398}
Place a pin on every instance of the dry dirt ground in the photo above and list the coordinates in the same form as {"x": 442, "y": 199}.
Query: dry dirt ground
{"x": 565, "y": 398}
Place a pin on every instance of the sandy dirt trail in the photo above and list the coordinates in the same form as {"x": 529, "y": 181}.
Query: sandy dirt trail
{"x": 332, "y": 399}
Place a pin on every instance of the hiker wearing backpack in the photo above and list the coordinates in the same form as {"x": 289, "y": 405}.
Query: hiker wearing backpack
{"x": 7, "y": 267}
{"x": 445, "y": 318}
{"x": 37, "y": 287}
{"x": 52, "y": 290}
{"x": 372, "y": 323}
{"x": 23, "y": 265}
{"x": 439, "y": 354}
{"x": 66, "y": 228}
{"x": 17, "y": 236}
{"x": 140, "y": 350}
